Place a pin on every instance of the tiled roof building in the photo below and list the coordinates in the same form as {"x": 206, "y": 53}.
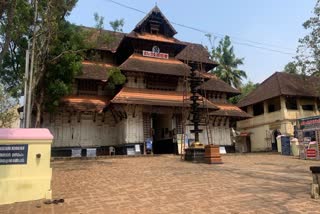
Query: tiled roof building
{"x": 149, "y": 104}
{"x": 275, "y": 105}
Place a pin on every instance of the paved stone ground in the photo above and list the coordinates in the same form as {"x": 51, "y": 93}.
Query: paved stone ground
{"x": 253, "y": 183}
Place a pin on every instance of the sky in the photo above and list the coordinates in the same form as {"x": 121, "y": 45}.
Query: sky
{"x": 270, "y": 24}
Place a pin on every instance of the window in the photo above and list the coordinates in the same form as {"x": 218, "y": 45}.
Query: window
{"x": 271, "y": 108}
{"x": 291, "y": 103}
{"x": 258, "y": 109}
{"x": 87, "y": 87}
{"x": 307, "y": 107}
{"x": 273, "y": 104}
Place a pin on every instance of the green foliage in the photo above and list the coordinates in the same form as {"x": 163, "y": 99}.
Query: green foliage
{"x": 99, "y": 21}
{"x": 245, "y": 90}
{"x": 117, "y": 25}
{"x": 115, "y": 77}
{"x": 308, "y": 53}
{"x": 291, "y": 68}
{"x": 8, "y": 113}
{"x": 66, "y": 50}
{"x": 228, "y": 63}
{"x": 13, "y": 43}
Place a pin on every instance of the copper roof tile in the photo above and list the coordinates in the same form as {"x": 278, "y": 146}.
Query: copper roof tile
{"x": 151, "y": 97}
{"x": 153, "y": 37}
{"x": 94, "y": 70}
{"x": 85, "y": 103}
{"x": 196, "y": 53}
{"x": 216, "y": 84}
{"x": 139, "y": 63}
{"x": 227, "y": 109}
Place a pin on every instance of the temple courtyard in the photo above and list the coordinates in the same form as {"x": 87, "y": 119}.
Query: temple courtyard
{"x": 252, "y": 183}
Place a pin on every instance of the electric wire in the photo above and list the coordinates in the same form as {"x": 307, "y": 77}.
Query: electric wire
{"x": 235, "y": 40}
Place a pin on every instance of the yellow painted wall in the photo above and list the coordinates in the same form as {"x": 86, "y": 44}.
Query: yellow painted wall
{"x": 282, "y": 119}
{"x": 257, "y": 138}
{"x": 31, "y": 181}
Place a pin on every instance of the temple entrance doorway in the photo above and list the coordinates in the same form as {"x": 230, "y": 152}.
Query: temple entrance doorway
{"x": 163, "y": 134}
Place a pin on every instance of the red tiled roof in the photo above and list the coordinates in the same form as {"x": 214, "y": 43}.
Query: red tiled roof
{"x": 156, "y": 11}
{"x": 85, "y": 103}
{"x": 104, "y": 39}
{"x": 227, "y": 109}
{"x": 151, "y": 97}
{"x": 139, "y": 63}
{"x": 153, "y": 37}
{"x": 281, "y": 83}
{"x": 216, "y": 84}
{"x": 94, "y": 70}
{"x": 195, "y": 53}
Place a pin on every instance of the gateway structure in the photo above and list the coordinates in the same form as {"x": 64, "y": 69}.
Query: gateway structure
{"x": 149, "y": 105}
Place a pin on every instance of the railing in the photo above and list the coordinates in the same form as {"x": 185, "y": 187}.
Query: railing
{"x": 261, "y": 119}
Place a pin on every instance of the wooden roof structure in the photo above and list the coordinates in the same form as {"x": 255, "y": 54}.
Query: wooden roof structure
{"x": 156, "y": 17}
{"x": 172, "y": 66}
{"x": 215, "y": 84}
{"x": 94, "y": 70}
{"x": 85, "y": 103}
{"x": 230, "y": 110}
{"x": 126, "y": 51}
{"x": 104, "y": 40}
{"x": 281, "y": 83}
{"x": 143, "y": 96}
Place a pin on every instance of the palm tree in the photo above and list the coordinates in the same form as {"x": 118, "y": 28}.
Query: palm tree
{"x": 228, "y": 63}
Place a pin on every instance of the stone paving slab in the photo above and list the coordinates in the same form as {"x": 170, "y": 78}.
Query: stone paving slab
{"x": 252, "y": 183}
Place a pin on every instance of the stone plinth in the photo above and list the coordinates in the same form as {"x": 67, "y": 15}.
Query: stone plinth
{"x": 195, "y": 155}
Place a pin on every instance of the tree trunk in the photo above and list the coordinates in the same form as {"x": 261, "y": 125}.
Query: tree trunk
{"x": 39, "y": 104}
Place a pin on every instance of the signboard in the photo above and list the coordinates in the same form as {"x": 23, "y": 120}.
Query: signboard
{"x": 222, "y": 150}
{"x": 155, "y": 53}
{"x": 309, "y": 122}
{"x": 13, "y": 154}
{"x": 137, "y": 147}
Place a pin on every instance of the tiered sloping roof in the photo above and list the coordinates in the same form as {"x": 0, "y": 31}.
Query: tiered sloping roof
{"x": 156, "y": 11}
{"x": 196, "y": 53}
{"x": 103, "y": 39}
{"x": 94, "y": 70}
{"x": 153, "y": 37}
{"x": 213, "y": 83}
{"x": 137, "y": 62}
{"x": 281, "y": 83}
{"x": 230, "y": 110}
{"x": 85, "y": 103}
{"x": 152, "y": 97}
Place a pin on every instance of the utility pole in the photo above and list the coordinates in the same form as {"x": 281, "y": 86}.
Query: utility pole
{"x": 26, "y": 78}
{"x": 29, "y": 106}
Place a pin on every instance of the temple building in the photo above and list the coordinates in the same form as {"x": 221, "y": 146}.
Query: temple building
{"x": 275, "y": 106}
{"x": 151, "y": 102}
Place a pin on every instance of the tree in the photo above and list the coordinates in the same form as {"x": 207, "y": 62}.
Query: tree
{"x": 8, "y": 113}
{"x": 117, "y": 25}
{"x": 15, "y": 21}
{"x": 40, "y": 20}
{"x": 58, "y": 48}
{"x": 245, "y": 90}
{"x": 228, "y": 63}
{"x": 308, "y": 51}
{"x": 291, "y": 68}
